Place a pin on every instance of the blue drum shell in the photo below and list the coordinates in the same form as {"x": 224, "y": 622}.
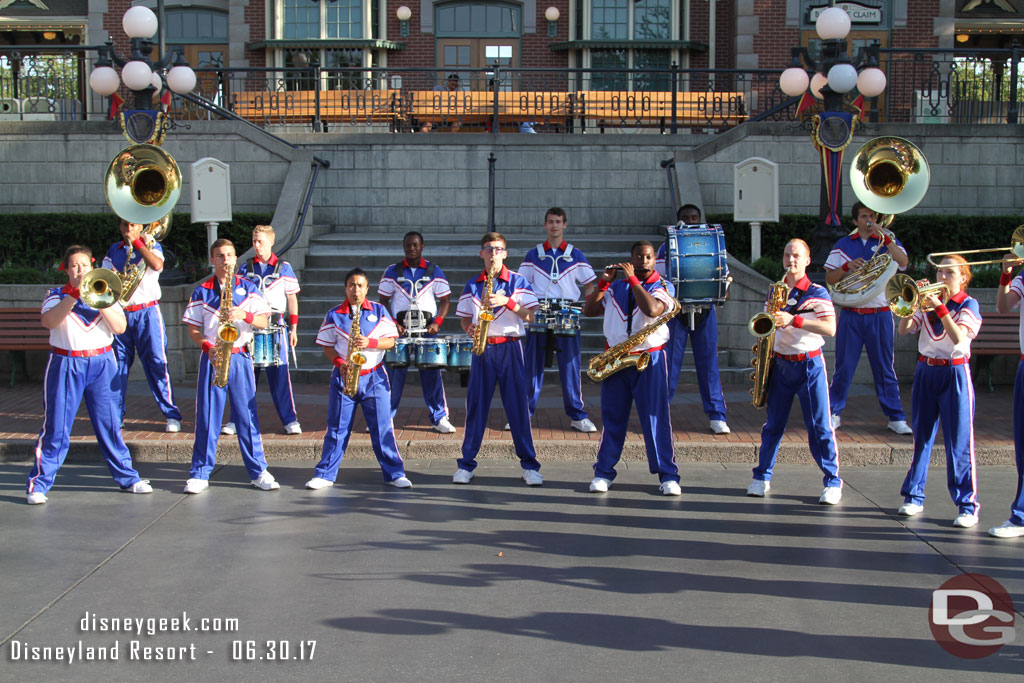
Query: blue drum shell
{"x": 398, "y": 355}
{"x": 696, "y": 262}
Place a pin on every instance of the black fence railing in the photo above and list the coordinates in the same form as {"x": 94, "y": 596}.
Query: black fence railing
{"x": 925, "y": 86}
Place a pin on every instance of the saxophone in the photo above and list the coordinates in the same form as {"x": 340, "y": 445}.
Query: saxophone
{"x": 355, "y": 360}
{"x": 483, "y": 321}
{"x": 762, "y": 326}
{"x": 131, "y": 277}
{"x": 619, "y": 357}
{"x": 227, "y": 331}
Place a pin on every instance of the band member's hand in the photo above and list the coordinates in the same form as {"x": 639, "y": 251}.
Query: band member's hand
{"x": 401, "y": 329}
{"x": 628, "y": 270}
{"x": 610, "y": 273}
{"x": 134, "y": 232}
{"x": 1010, "y": 261}
{"x": 293, "y": 337}
{"x": 237, "y": 313}
{"x": 360, "y": 343}
{"x": 782, "y": 319}
{"x": 471, "y": 329}
{"x": 498, "y": 299}
{"x": 856, "y": 264}
{"x": 433, "y": 328}
{"x": 931, "y": 300}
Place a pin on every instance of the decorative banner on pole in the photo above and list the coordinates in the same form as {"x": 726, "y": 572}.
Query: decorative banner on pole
{"x": 144, "y": 126}
{"x": 833, "y": 131}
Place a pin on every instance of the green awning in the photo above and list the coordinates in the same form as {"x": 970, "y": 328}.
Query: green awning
{"x": 691, "y": 45}
{"x": 316, "y": 43}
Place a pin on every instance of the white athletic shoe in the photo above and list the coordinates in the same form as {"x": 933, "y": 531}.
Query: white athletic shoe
{"x": 293, "y": 428}
{"x": 400, "y": 483}
{"x": 759, "y": 488}
{"x": 911, "y": 509}
{"x": 720, "y": 427}
{"x": 831, "y": 496}
{"x": 35, "y": 498}
{"x": 266, "y": 481}
{"x": 601, "y": 485}
{"x": 670, "y": 488}
{"x": 584, "y": 425}
{"x": 444, "y": 426}
{"x": 196, "y": 485}
{"x": 507, "y": 427}
{"x": 1007, "y": 530}
{"x": 317, "y": 483}
{"x": 966, "y": 520}
{"x": 900, "y": 427}
{"x": 836, "y": 421}
{"x": 228, "y": 429}
{"x": 141, "y": 486}
{"x": 532, "y": 478}
{"x": 462, "y": 476}
{"x": 173, "y": 426}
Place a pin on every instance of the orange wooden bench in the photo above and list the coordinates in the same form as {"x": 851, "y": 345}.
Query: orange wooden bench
{"x": 336, "y": 106}
{"x": 999, "y": 336}
{"x": 626, "y": 109}
{"x": 21, "y": 330}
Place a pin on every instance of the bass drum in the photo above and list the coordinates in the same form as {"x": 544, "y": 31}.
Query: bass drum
{"x": 696, "y": 263}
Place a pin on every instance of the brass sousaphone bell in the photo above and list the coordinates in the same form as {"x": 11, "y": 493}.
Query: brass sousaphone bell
{"x": 889, "y": 175}
{"x": 142, "y": 184}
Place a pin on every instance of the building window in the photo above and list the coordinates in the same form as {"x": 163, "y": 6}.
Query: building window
{"x": 196, "y": 26}
{"x": 625, "y": 21}
{"x": 478, "y": 20}
{"x": 344, "y": 18}
{"x": 302, "y": 19}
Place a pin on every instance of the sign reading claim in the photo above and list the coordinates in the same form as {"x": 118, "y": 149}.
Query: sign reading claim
{"x": 859, "y": 14}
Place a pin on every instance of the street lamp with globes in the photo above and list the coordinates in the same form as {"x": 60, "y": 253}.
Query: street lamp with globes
{"x": 140, "y": 74}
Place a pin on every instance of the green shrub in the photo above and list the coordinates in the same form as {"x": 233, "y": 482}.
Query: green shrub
{"x": 23, "y": 275}
{"x": 769, "y": 267}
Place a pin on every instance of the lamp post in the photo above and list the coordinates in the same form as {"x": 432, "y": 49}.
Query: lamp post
{"x": 835, "y": 76}
{"x": 403, "y": 14}
{"x": 552, "y": 14}
{"x": 139, "y": 73}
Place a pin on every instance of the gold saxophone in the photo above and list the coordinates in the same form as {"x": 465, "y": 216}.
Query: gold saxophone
{"x": 131, "y": 277}
{"x": 483, "y": 321}
{"x": 762, "y": 326}
{"x": 619, "y": 357}
{"x": 355, "y": 360}
{"x": 227, "y": 331}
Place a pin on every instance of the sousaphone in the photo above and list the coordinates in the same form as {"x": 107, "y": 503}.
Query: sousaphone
{"x": 142, "y": 184}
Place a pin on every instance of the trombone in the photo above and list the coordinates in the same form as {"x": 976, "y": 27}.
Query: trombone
{"x": 905, "y": 296}
{"x": 1017, "y": 240}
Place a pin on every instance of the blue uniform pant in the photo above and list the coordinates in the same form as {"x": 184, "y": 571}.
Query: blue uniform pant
{"x": 567, "y": 348}
{"x": 805, "y": 379}
{"x": 280, "y": 383}
{"x": 146, "y": 335}
{"x": 874, "y": 333}
{"x": 704, "y": 344}
{"x": 1017, "y": 506}
{"x": 67, "y": 380}
{"x": 649, "y": 389}
{"x": 504, "y": 365}
{"x": 374, "y": 397}
{"x": 210, "y": 400}
{"x": 944, "y": 394}
{"x": 433, "y": 390}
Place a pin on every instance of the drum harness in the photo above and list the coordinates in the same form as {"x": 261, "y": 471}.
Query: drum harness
{"x": 262, "y": 283}
{"x": 413, "y": 314}
{"x": 554, "y": 276}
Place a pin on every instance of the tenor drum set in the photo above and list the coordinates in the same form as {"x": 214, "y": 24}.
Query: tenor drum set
{"x": 557, "y": 316}
{"x": 452, "y": 352}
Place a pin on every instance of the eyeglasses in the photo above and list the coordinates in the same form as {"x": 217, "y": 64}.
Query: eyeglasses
{"x": 495, "y": 250}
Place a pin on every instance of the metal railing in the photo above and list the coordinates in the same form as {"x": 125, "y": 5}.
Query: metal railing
{"x": 978, "y": 86}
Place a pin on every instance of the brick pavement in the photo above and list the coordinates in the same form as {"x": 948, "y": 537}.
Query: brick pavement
{"x": 863, "y": 438}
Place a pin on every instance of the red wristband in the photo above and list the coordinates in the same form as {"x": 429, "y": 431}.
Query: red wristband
{"x": 293, "y": 319}
{"x": 207, "y": 345}
{"x": 634, "y": 280}
{"x": 798, "y": 321}
{"x": 371, "y": 343}
{"x": 941, "y": 311}
{"x": 138, "y": 243}
{"x": 439, "y": 321}
{"x": 603, "y": 285}
{"x": 249, "y": 317}
{"x": 73, "y": 291}
{"x": 1005, "y": 279}
{"x": 846, "y": 267}
{"x": 510, "y": 305}
{"x": 338, "y": 362}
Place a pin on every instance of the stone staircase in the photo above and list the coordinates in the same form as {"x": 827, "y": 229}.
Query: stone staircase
{"x": 332, "y": 254}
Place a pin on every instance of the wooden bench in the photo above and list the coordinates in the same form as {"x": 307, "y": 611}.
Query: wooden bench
{"x": 21, "y": 330}
{"x": 999, "y": 336}
{"x": 611, "y": 109}
{"x": 336, "y": 106}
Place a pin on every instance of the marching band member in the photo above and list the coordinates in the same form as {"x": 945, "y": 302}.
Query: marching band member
{"x": 276, "y": 281}
{"x": 870, "y": 327}
{"x": 512, "y": 303}
{"x": 1008, "y": 297}
{"x": 799, "y": 370}
{"x": 704, "y": 344}
{"x": 376, "y": 333}
{"x": 418, "y": 296}
{"x": 248, "y": 309}
{"x": 81, "y": 364}
{"x": 943, "y": 392}
{"x": 634, "y": 303}
{"x": 558, "y": 270}
{"x": 146, "y": 332}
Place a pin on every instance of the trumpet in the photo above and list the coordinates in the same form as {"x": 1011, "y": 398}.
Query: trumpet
{"x": 1017, "y": 240}
{"x": 905, "y": 296}
{"x": 100, "y": 288}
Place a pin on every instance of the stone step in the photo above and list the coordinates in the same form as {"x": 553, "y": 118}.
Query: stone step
{"x": 476, "y": 230}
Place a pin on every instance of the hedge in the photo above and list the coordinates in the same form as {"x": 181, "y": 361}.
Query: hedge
{"x": 32, "y": 244}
